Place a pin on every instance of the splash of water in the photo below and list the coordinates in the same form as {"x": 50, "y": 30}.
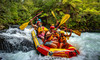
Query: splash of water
{"x": 88, "y": 45}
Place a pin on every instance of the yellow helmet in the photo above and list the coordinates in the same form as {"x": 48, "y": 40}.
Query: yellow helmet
{"x": 52, "y": 24}
{"x": 62, "y": 32}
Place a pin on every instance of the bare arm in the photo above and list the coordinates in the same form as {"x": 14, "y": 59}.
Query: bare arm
{"x": 57, "y": 22}
{"x": 69, "y": 34}
{"x": 33, "y": 24}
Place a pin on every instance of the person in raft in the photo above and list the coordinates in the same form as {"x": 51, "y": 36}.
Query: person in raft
{"x": 35, "y": 24}
{"x": 40, "y": 29}
{"x": 54, "y": 31}
{"x": 52, "y": 27}
{"x": 63, "y": 41}
{"x": 55, "y": 34}
{"x": 50, "y": 40}
{"x": 38, "y": 20}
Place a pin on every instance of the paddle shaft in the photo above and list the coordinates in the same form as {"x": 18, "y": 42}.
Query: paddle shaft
{"x": 36, "y": 15}
{"x": 64, "y": 19}
{"x": 76, "y": 32}
{"x": 54, "y": 15}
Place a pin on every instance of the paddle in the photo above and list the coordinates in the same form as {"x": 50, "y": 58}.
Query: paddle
{"x": 54, "y": 15}
{"x": 64, "y": 19}
{"x": 24, "y": 25}
{"x": 76, "y": 32}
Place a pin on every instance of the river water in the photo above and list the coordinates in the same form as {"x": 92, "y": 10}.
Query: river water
{"x": 18, "y": 45}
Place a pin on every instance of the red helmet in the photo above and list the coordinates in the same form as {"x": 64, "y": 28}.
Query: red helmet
{"x": 52, "y": 27}
{"x": 38, "y": 22}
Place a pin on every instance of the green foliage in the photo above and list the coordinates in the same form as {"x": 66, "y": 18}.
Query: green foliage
{"x": 44, "y": 14}
{"x": 85, "y": 14}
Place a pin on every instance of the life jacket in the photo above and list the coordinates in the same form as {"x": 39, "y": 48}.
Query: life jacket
{"x": 56, "y": 35}
{"x": 40, "y": 29}
{"x": 48, "y": 39}
{"x": 44, "y": 28}
{"x": 63, "y": 39}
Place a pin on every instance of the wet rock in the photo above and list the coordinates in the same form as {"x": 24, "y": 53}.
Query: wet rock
{"x": 1, "y": 31}
{"x": 14, "y": 26}
{"x": 0, "y": 58}
{"x": 6, "y": 46}
{"x": 2, "y": 27}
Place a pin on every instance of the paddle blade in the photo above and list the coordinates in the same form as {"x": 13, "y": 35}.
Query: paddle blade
{"x": 53, "y": 14}
{"x": 77, "y": 32}
{"x": 24, "y": 25}
{"x": 64, "y": 19}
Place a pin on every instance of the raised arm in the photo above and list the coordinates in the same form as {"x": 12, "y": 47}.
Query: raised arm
{"x": 69, "y": 34}
{"x": 33, "y": 24}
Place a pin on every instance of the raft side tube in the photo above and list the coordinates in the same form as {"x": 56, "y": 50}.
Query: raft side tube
{"x": 35, "y": 39}
{"x": 45, "y": 50}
